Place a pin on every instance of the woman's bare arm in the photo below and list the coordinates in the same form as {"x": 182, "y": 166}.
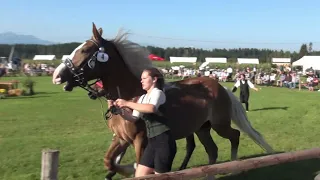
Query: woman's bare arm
{"x": 128, "y": 116}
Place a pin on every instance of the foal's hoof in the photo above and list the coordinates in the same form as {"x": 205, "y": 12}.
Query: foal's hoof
{"x": 107, "y": 177}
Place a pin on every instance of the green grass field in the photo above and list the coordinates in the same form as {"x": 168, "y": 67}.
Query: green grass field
{"x": 72, "y": 123}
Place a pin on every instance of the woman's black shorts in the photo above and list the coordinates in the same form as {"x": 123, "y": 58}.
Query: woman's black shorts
{"x": 160, "y": 152}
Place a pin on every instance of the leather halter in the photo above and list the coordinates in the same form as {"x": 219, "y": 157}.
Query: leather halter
{"x": 78, "y": 72}
{"x": 78, "y": 75}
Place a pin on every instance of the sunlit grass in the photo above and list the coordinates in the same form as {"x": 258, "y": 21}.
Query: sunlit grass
{"x": 73, "y": 123}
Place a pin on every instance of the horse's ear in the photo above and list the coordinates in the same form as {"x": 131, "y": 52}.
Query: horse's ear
{"x": 96, "y": 34}
{"x": 100, "y": 31}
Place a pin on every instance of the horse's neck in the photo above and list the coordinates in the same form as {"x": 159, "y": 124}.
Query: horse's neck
{"x": 127, "y": 88}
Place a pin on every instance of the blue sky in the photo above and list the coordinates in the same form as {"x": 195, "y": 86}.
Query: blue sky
{"x": 281, "y": 24}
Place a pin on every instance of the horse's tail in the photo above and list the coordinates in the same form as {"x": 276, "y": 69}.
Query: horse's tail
{"x": 240, "y": 118}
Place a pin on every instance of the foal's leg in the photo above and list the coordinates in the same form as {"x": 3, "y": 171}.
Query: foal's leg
{"x": 139, "y": 143}
{"x": 117, "y": 161}
{"x": 191, "y": 145}
{"x": 226, "y": 131}
{"x": 208, "y": 143}
{"x": 110, "y": 153}
{"x": 114, "y": 155}
{"x": 108, "y": 158}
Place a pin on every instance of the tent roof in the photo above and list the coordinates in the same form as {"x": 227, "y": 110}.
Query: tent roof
{"x": 64, "y": 57}
{"x": 216, "y": 59}
{"x": 44, "y": 57}
{"x": 248, "y": 60}
{"x": 183, "y": 59}
{"x": 307, "y": 60}
{"x": 281, "y": 60}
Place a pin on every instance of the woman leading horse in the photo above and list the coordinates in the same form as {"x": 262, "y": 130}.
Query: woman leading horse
{"x": 190, "y": 103}
{"x": 161, "y": 148}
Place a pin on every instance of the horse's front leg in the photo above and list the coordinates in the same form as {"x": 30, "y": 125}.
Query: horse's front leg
{"x": 113, "y": 156}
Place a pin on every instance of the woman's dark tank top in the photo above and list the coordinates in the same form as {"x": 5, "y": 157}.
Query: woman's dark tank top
{"x": 155, "y": 123}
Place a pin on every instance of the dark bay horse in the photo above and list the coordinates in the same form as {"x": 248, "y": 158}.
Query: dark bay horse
{"x": 194, "y": 105}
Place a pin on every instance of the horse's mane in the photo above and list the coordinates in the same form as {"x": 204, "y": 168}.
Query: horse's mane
{"x": 134, "y": 55}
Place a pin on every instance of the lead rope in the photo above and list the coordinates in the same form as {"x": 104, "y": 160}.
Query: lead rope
{"x": 131, "y": 151}
{"x": 102, "y": 111}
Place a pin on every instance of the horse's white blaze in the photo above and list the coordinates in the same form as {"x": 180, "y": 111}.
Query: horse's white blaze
{"x": 56, "y": 78}
{"x": 75, "y": 50}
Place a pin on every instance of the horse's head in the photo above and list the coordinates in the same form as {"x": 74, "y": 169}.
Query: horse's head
{"x": 117, "y": 62}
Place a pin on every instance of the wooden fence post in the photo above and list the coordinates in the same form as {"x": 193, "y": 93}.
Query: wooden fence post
{"x": 49, "y": 164}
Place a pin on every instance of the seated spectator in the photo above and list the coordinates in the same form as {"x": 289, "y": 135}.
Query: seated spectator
{"x": 310, "y": 83}
{"x": 266, "y": 79}
{"x": 258, "y": 79}
{"x": 272, "y": 78}
{"x": 281, "y": 79}
{"x": 287, "y": 80}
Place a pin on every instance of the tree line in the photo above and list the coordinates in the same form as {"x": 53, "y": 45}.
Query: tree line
{"x": 28, "y": 51}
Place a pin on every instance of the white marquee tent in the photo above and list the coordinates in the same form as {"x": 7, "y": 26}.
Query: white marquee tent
{"x": 183, "y": 59}
{"x": 281, "y": 61}
{"x": 307, "y": 62}
{"x": 64, "y": 57}
{"x": 248, "y": 60}
{"x": 212, "y": 60}
{"x": 44, "y": 57}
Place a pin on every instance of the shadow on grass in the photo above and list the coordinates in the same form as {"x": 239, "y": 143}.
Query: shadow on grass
{"x": 271, "y": 108}
{"x": 25, "y": 97}
{"x": 47, "y": 93}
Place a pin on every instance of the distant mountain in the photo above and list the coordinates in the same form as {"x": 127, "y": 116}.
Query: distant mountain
{"x": 13, "y": 38}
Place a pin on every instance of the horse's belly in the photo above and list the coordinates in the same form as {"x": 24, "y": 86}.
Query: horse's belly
{"x": 186, "y": 117}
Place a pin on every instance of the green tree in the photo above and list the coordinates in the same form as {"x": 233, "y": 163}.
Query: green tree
{"x": 303, "y": 50}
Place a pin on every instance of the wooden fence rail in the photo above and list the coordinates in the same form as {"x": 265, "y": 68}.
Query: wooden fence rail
{"x": 50, "y": 163}
{"x": 235, "y": 166}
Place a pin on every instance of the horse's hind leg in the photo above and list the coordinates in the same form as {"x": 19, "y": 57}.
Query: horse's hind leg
{"x": 191, "y": 145}
{"x": 226, "y": 131}
{"x": 208, "y": 143}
